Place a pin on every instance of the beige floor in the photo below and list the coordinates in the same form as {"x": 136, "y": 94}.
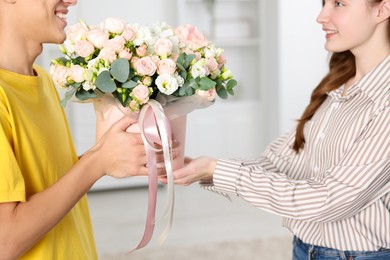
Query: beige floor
{"x": 202, "y": 219}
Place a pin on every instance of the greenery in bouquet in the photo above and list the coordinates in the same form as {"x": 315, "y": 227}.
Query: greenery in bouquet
{"x": 136, "y": 63}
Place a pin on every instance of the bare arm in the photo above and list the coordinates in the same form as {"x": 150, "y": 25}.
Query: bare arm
{"x": 22, "y": 224}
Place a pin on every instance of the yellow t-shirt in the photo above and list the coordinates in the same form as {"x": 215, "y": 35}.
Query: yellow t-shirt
{"x": 36, "y": 149}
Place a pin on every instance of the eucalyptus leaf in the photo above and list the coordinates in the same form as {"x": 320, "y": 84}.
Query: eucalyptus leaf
{"x": 189, "y": 58}
{"x": 180, "y": 66}
{"x": 192, "y": 83}
{"x": 230, "y": 91}
{"x": 188, "y": 88}
{"x": 231, "y": 84}
{"x": 183, "y": 71}
{"x": 120, "y": 70}
{"x": 181, "y": 59}
{"x": 189, "y": 91}
{"x": 206, "y": 83}
{"x": 84, "y": 94}
{"x": 78, "y": 60}
{"x": 105, "y": 83}
{"x": 130, "y": 84}
{"x": 76, "y": 85}
{"x": 222, "y": 93}
{"x": 68, "y": 95}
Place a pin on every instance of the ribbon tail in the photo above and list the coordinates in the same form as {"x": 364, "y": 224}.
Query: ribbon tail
{"x": 163, "y": 236}
{"x": 152, "y": 200}
{"x": 165, "y": 135}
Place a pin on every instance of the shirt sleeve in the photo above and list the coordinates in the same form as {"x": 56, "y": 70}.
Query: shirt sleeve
{"x": 12, "y": 186}
{"x": 361, "y": 177}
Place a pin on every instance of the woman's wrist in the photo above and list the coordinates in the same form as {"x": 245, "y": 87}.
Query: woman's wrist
{"x": 209, "y": 169}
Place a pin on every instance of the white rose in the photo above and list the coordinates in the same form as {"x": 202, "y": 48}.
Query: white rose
{"x": 199, "y": 69}
{"x": 88, "y": 86}
{"x": 166, "y": 83}
{"x": 114, "y": 25}
{"x": 179, "y": 79}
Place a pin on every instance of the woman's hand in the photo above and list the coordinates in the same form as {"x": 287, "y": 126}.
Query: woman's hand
{"x": 199, "y": 169}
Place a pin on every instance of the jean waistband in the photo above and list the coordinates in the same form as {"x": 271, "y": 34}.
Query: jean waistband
{"x": 319, "y": 250}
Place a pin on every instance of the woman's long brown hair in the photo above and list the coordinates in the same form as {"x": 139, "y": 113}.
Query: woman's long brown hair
{"x": 341, "y": 69}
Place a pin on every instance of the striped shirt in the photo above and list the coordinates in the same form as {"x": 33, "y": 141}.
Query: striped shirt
{"x": 336, "y": 192}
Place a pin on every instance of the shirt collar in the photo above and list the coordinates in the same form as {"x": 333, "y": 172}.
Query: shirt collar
{"x": 374, "y": 84}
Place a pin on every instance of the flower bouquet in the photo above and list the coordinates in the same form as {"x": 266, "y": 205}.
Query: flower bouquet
{"x": 156, "y": 73}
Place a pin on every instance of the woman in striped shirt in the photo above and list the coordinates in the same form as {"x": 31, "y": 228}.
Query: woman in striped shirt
{"x": 330, "y": 177}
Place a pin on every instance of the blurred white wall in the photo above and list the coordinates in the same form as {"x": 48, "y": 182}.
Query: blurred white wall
{"x": 303, "y": 59}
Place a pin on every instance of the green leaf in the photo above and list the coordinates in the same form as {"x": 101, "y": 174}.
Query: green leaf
{"x": 181, "y": 59}
{"x": 62, "y": 60}
{"x": 76, "y": 85}
{"x": 184, "y": 60}
{"x": 78, "y": 60}
{"x": 230, "y": 91}
{"x": 105, "y": 83}
{"x": 222, "y": 93}
{"x": 130, "y": 84}
{"x": 84, "y": 95}
{"x": 68, "y": 95}
{"x": 231, "y": 84}
{"x": 206, "y": 83}
{"x": 189, "y": 58}
{"x": 183, "y": 71}
{"x": 120, "y": 70}
{"x": 188, "y": 88}
{"x": 192, "y": 83}
{"x": 180, "y": 66}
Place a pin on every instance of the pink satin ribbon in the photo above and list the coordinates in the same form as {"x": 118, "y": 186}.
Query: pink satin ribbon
{"x": 155, "y": 129}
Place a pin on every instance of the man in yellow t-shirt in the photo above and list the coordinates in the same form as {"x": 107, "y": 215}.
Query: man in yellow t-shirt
{"x": 38, "y": 149}
{"x": 43, "y": 208}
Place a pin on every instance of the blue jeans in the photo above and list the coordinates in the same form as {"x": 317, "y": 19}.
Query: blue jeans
{"x": 303, "y": 251}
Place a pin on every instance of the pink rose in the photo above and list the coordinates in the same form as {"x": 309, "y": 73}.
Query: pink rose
{"x": 141, "y": 50}
{"x": 208, "y": 94}
{"x": 191, "y": 36}
{"x": 76, "y": 32}
{"x": 117, "y": 43}
{"x": 211, "y": 64}
{"x": 84, "y": 48}
{"x": 108, "y": 54}
{"x": 174, "y": 56}
{"x": 77, "y": 73}
{"x": 147, "y": 81}
{"x": 97, "y": 37}
{"x": 166, "y": 66}
{"x": 198, "y": 56}
{"x": 133, "y": 61}
{"x": 163, "y": 47}
{"x": 129, "y": 34}
{"x": 145, "y": 66}
{"x": 60, "y": 74}
{"x": 221, "y": 61}
{"x": 125, "y": 54}
{"x": 141, "y": 93}
{"x": 133, "y": 105}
